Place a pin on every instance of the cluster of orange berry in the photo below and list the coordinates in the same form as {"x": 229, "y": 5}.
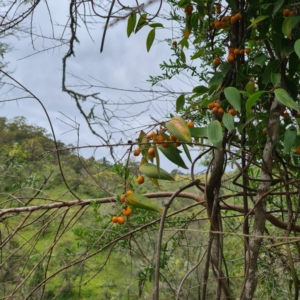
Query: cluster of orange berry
{"x": 126, "y": 211}
{"x": 225, "y": 21}
{"x": 215, "y": 108}
{"x": 232, "y": 52}
{"x": 287, "y": 13}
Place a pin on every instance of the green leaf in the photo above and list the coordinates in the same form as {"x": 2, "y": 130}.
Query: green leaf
{"x": 289, "y": 138}
{"x": 198, "y": 54}
{"x": 180, "y": 103}
{"x": 234, "y": 97}
{"x": 297, "y": 47}
{"x": 275, "y": 78}
{"x": 228, "y": 122}
{"x": 260, "y": 60}
{"x": 277, "y": 6}
{"x": 173, "y": 155}
{"x": 131, "y": 23}
{"x": 150, "y": 170}
{"x": 150, "y": 39}
{"x": 179, "y": 128}
{"x": 182, "y": 56}
{"x": 198, "y": 132}
{"x": 184, "y": 43}
{"x": 251, "y": 100}
{"x": 250, "y": 88}
{"x": 215, "y": 133}
{"x": 187, "y": 152}
{"x": 140, "y": 201}
{"x": 288, "y": 24}
{"x": 217, "y": 79}
{"x": 201, "y": 89}
{"x": 257, "y": 20}
{"x": 156, "y": 25}
{"x": 142, "y": 21}
{"x": 283, "y": 97}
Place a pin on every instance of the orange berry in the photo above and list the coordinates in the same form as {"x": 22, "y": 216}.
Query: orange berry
{"x": 230, "y": 58}
{"x": 230, "y": 50}
{"x": 265, "y": 132}
{"x": 159, "y": 139}
{"x": 216, "y": 61}
{"x": 137, "y": 152}
{"x": 298, "y": 150}
{"x": 217, "y": 104}
{"x": 121, "y": 220}
{"x": 129, "y": 192}
{"x": 173, "y": 138}
{"x": 242, "y": 51}
{"x": 215, "y": 110}
{"x": 127, "y": 211}
{"x": 123, "y": 198}
{"x": 177, "y": 144}
{"x": 218, "y": 24}
{"x": 236, "y": 51}
{"x": 286, "y": 12}
{"x": 190, "y": 124}
{"x": 232, "y": 112}
{"x": 233, "y": 19}
{"x": 223, "y": 24}
{"x": 286, "y": 115}
{"x": 166, "y": 144}
{"x": 220, "y": 111}
{"x": 114, "y": 219}
{"x": 150, "y": 135}
{"x": 174, "y": 43}
{"x": 291, "y": 13}
{"x": 140, "y": 180}
{"x": 151, "y": 151}
{"x": 247, "y": 50}
{"x": 211, "y": 105}
{"x": 188, "y": 10}
{"x": 238, "y": 16}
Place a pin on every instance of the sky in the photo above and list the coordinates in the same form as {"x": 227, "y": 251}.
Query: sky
{"x": 124, "y": 64}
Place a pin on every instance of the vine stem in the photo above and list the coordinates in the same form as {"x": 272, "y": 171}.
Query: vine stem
{"x": 160, "y": 235}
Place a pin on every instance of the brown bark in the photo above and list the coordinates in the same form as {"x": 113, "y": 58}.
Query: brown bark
{"x": 251, "y": 275}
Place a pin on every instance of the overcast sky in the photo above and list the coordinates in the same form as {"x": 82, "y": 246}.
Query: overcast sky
{"x": 124, "y": 64}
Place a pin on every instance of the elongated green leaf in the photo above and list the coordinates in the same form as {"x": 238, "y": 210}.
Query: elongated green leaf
{"x": 179, "y": 128}
{"x": 180, "y": 103}
{"x": 289, "y": 138}
{"x": 228, "y": 122}
{"x": 275, "y": 78}
{"x": 131, "y": 24}
{"x": 173, "y": 155}
{"x": 187, "y": 152}
{"x": 297, "y": 47}
{"x": 288, "y": 24}
{"x": 251, "y": 100}
{"x": 216, "y": 80}
{"x": 199, "y": 132}
{"x": 198, "y": 54}
{"x": 201, "y": 89}
{"x": 260, "y": 60}
{"x": 140, "y": 201}
{"x": 155, "y": 182}
{"x": 277, "y": 6}
{"x": 234, "y": 97}
{"x": 257, "y": 20}
{"x": 150, "y": 39}
{"x": 215, "y": 133}
{"x": 182, "y": 56}
{"x": 150, "y": 170}
{"x": 141, "y": 22}
{"x": 283, "y": 97}
{"x": 156, "y": 25}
